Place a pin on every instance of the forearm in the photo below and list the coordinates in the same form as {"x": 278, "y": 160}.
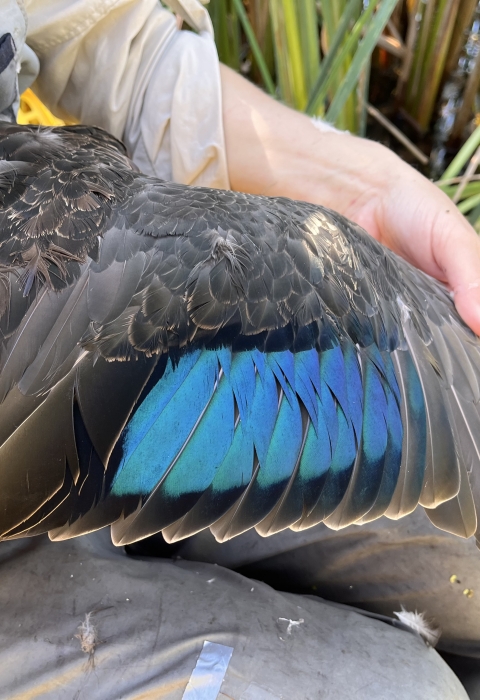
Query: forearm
{"x": 273, "y": 150}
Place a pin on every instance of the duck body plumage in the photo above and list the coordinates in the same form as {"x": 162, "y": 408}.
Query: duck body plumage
{"x": 177, "y": 358}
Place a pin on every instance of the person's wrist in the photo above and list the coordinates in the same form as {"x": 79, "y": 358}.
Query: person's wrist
{"x": 337, "y": 170}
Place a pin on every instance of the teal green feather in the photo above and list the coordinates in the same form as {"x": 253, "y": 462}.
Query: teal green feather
{"x": 316, "y": 458}
{"x": 263, "y": 414}
{"x": 235, "y": 471}
{"x": 332, "y": 370}
{"x": 276, "y": 467}
{"x": 339, "y": 473}
{"x": 231, "y": 479}
{"x": 393, "y": 456}
{"x": 225, "y": 359}
{"x": 242, "y": 380}
{"x": 283, "y": 366}
{"x": 160, "y": 426}
{"x": 259, "y": 359}
{"x": 330, "y": 413}
{"x": 304, "y": 385}
{"x": 206, "y": 454}
{"x": 374, "y": 440}
{"x": 197, "y": 464}
{"x": 284, "y": 448}
{"x": 354, "y": 388}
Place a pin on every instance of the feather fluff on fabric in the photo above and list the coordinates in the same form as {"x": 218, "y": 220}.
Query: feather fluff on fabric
{"x": 417, "y": 623}
{"x": 177, "y": 358}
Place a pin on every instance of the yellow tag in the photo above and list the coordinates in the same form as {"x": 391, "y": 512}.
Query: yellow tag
{"x": 33, "y": 111}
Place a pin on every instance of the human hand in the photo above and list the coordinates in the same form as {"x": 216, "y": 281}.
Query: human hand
{"x": 273, "y": 150}
{"x": 409, "y": 214}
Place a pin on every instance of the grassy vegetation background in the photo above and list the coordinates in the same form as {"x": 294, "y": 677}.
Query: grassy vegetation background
{"x": 404, "y": 71}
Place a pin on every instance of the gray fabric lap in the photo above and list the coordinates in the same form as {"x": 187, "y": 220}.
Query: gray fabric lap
{"x": 152, "y": 617}
{"x": 378, "y": 566}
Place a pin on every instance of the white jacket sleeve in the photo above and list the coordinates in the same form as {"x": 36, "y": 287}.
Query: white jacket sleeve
{"x": 124, "y": 65}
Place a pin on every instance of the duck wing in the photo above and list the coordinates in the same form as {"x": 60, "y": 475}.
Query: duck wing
{"x": 177, "y": 358}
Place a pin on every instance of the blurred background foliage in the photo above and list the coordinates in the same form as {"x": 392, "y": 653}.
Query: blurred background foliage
{"x": 404, "y": 72}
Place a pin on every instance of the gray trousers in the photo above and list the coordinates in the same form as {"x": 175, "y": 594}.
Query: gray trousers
{"x": 379, "y": 566}
{"x": 160, "y": 628}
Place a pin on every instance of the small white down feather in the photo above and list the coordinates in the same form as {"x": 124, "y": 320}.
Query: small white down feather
{"x": 416, "y": 621}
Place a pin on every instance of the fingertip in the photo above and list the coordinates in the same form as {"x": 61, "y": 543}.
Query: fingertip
{"x": 467, "y": 302}
{"x": 459, "y": 258}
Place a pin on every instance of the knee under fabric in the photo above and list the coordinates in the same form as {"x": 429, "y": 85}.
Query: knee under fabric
{"x": 81, "y": 617}
{"x": 380, "y": 566}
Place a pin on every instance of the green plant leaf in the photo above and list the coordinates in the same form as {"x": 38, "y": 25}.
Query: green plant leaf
{"x": 340, "y": 54}
{"x": 468, "y": 204}
{"x": 471, "y": 188}
{"x": 362, "y": 55}
{"x": 317, "y": 93}
{"x": 309, "y": 40}
{"x": 255, "y": 47}
{"x": 464, "y": 155}
{"x": 227, "y": 32}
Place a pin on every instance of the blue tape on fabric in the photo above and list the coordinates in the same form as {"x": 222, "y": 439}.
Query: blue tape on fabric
{"x": 209, "y": 672}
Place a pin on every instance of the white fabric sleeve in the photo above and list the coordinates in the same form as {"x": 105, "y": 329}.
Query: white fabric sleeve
{"x": 124, "y": 65}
